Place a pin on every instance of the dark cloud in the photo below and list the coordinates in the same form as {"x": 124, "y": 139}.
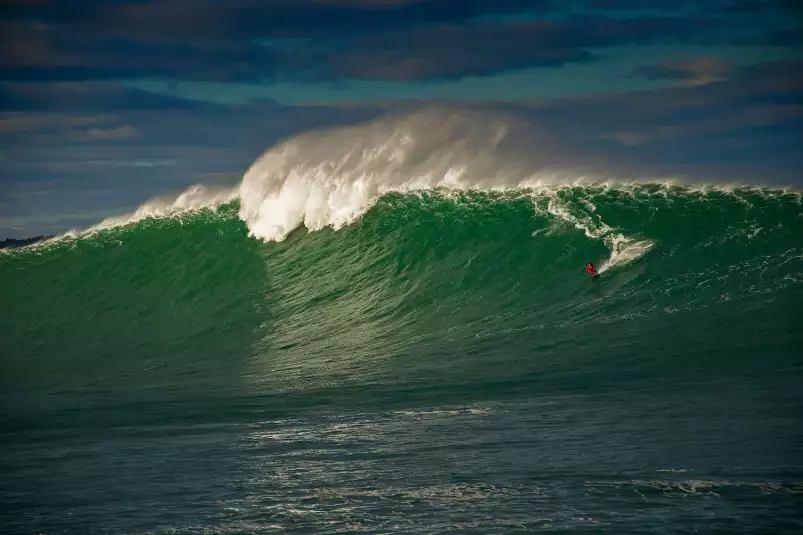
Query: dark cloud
{"x": 97, "y": 134}
{"x": 790, "y": 38}
{"x": 640, "y": 5}
{"x": 696, "y": 71}
{"x": 734, "y": 123}
{"x": 480, "y": 49}
{"x": 87, "y": 96}
{"x": 209, "y": 20}
{"x": 698, "y": 6}
{"x": 753, "y": 7}
{"x": 324, "y": 40}
{"x": 453, "y": 52}
{"x": 21, "y": 128}
{"x": 41, "y": 52}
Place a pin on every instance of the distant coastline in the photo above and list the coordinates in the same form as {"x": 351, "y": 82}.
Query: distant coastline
{"x": 11, "y": 243}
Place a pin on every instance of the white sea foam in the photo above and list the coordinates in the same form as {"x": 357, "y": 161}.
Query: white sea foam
{"x": 331, "y": 178}
{"x": 473, "y": 411}
{"x": 624, "y": 249}
{"x": 194, "y": 198}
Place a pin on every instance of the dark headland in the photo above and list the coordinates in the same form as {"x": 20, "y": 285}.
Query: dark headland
{"x": 11, "y": 243}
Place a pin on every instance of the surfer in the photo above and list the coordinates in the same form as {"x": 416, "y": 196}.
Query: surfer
{"x": 591, "y": 269}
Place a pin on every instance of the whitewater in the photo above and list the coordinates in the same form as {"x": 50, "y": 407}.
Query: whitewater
{"x": 332, "y": 178}
{"x": 387, "y": 328}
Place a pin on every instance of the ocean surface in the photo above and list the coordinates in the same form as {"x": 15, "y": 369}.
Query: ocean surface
{"x": 422, "y": 356}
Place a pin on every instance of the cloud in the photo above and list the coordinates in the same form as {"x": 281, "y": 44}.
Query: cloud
{"x": 697, "y": 71}
{"x": 115, "y": 133}
{"x": 753, "y": 7}
{"x": 724, "y": 6}
{"x": 42, "y": 128}
{"x": 454, "y": 52}
{"x": 17, "y": 123}
{"x": 314, "y": 40}
{"x": 789, "y": 38}
{"x": 211, "y": 20}
{"x": 639, "y": 5}
{"x": 721, "y": 130}
{"x": 41, "y": 52}
{"x": 86, "y": 96}
{"x": 740, "y": 120}
{"x": 481, "y": 49}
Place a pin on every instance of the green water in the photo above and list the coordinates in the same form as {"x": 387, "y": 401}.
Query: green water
{"x": 443, "y": 365}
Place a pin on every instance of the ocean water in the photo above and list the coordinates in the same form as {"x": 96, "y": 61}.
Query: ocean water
{"x": 353, "y": 352}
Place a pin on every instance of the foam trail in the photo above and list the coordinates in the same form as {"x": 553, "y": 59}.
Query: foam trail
{"x": 623, "y": 249}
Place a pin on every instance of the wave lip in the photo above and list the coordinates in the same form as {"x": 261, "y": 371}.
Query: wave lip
{"x": 329, "y": 179}
{"x": 196, "y": 197}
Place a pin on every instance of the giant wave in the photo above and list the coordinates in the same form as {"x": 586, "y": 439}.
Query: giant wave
{"x": 331, "y": 178}
{"x": 435, "y": 211}
{"x": 388, "y": 327}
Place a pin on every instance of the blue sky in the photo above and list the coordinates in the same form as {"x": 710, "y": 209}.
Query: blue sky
{"x": 104, "y": 104}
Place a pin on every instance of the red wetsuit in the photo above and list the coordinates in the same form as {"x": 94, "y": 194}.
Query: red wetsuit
{"x": 591, "y": 269}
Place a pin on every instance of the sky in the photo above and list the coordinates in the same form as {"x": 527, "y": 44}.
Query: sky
{"x": 106, "y": 103}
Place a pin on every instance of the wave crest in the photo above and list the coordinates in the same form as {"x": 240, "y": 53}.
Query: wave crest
{"x": 331, "y": 178}
{"x": 193, "y": 198}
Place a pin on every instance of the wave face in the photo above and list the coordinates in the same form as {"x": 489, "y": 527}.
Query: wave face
{"x": 475, "y": 269}
{"x": 426, "y": 355}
